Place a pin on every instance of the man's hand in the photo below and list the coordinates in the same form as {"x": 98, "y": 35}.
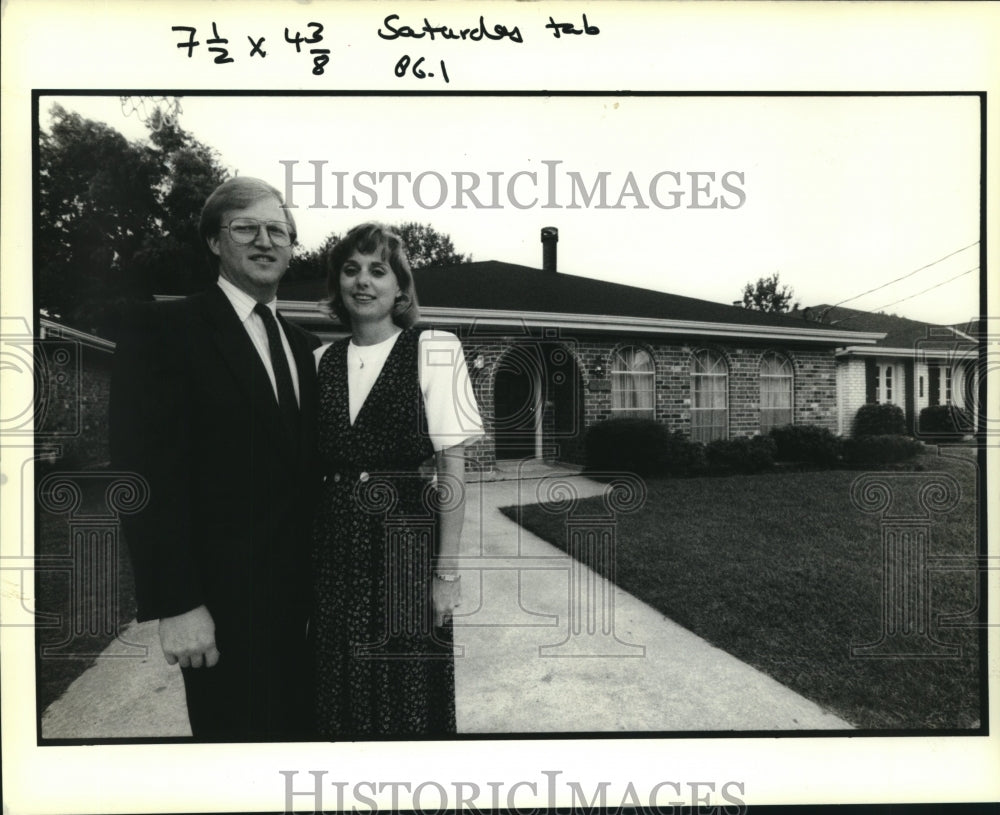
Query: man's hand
{"x": 189, "y": 639}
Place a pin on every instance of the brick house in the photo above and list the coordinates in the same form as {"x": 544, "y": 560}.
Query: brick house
{"x": 551, "y": 354}
{"x": 72, "y": 371}
{"x": 914, "y": 365}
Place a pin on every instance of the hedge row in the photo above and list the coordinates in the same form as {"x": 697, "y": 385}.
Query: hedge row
{"x": 647, "y": 448}
{"x": 882, "y": 449}
{"x": 806, "y": 443}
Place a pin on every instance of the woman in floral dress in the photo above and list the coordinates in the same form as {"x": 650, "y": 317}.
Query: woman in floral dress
{"x": 386, "y": 536}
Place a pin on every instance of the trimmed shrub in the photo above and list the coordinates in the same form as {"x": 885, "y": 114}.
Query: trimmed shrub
{"x": 947, "y": 420}
{"x": 643, "y": 447}
{"x": 740, "y": 455}
{"x": 806, "y": 443}
{"x": 681, "y": 456}
{"x": 880, "y": 420}
{"x": 883, "y": 449}
{"x": 627, "y": 445}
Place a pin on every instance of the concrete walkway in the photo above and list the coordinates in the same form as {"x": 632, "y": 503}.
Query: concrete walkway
{"x": 545, "y": 646}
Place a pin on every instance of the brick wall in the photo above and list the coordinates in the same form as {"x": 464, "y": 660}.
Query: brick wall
{"x": 77, "y": 404}
{"x": 815, "y": 383}
{"x": 72, "y": 411}
{"x": 815, "y": 388}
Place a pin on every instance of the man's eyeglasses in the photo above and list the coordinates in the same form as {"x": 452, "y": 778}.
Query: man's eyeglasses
{"x": 245, "y": 230}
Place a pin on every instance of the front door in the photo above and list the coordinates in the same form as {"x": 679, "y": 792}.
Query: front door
{"x": 517, "y": 398}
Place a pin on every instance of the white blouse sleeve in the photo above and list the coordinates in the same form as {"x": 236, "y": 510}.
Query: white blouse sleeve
{"x": 452, "y": 413}
{"x": 318, "y": 352}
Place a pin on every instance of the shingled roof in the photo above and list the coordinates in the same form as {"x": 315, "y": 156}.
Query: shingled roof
{"x": 497, "y": 286}
{"x": 900, "y": 332}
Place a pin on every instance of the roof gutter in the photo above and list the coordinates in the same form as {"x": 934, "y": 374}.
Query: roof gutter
{"x": 960, "y": 349}
{"x": 307, "y": 312}
{"x": 49, "y": 329}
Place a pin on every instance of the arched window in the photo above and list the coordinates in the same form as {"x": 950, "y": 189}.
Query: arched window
{"x": 633, "y": 383}
{"x": 776, "y": 387}
{"x": 709, "y": 396}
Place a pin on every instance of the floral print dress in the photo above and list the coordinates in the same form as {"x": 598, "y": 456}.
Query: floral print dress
{"x": 382, "y": 670}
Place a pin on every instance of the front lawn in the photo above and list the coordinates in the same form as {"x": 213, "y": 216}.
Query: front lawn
{"x": 783, "y": 572}
{"x": 76, "y": 596}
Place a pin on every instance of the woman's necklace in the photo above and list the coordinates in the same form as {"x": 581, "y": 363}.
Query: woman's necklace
{"x": 356, "y": 349}
{"x": 357, "y": 355}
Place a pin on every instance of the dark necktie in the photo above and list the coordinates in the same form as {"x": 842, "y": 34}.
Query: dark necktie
{"x": 279, "y": 363}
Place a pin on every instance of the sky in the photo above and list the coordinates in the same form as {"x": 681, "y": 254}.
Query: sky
{"x": 838, "y": 195}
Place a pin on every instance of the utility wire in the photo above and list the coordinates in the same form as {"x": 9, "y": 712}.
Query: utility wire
{"x": 937, "y": 285}
{"x": 908, "y": 274}
{"x": 910, "y": 297}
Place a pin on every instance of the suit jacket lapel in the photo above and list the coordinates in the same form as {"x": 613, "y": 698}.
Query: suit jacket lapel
{"x": 240, "y": 355}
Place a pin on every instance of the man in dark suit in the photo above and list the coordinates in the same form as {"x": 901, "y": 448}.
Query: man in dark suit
{"x": 213, "y": 404}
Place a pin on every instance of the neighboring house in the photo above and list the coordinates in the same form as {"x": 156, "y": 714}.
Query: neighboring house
{"x": 550, "y": 354}
{"x": 72, "y": 377}
{"x": 915, "y": 365}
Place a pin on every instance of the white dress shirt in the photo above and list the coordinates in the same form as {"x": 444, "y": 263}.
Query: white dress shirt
{"x": 244, "y": 304}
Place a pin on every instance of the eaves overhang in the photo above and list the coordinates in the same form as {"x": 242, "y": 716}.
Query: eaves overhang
{"x": 49, "y": 329}
{"x": 959, "y": 349}
{"x": 307, "y": 312}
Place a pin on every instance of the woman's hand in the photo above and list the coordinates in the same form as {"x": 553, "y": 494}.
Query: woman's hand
{"x": 446, "y": 591}
{"x": 446, "y": 596}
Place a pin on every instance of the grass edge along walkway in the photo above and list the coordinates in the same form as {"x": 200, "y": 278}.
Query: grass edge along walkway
{"x": 782, "y": 571}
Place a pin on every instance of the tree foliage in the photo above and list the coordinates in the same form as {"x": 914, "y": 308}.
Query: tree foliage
{"x": 769, "y": 294}
{"x": 117, "y": 220}
{"x": 425, "y": 247}
{"x": 311, "y": 264}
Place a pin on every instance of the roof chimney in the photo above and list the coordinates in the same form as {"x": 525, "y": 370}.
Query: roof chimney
{"x": 550, "y": 237}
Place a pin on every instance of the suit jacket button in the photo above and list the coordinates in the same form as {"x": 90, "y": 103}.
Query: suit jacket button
{"x": 363, "y": 477}
{"x": 336, "y": 478}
